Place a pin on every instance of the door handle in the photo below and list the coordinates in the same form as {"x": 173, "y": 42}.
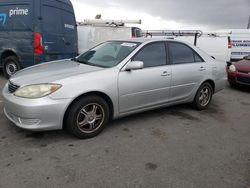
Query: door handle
{"x": 202, "y": 68}
{"x": 165, "y": 73}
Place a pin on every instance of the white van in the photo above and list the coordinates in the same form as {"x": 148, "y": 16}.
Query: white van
{"x": 94, "y": 32}
{"x": 240, "y": 39}
{"x": 240, "y": 43}
{"x": 217, "y": 45}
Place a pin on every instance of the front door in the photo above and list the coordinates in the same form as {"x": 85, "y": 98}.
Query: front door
{"x": 149, "y": 86}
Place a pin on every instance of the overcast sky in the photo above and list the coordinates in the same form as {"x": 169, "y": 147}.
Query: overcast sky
{"x": 170, "y": 14}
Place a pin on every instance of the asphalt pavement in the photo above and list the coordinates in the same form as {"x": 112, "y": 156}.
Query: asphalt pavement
{"x": 176, "y": 147}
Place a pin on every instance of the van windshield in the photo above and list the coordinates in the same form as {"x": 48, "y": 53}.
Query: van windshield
{"x": 108, "y": 54}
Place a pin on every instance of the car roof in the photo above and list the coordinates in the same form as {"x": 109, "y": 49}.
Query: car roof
{"x": 142, "y": 40}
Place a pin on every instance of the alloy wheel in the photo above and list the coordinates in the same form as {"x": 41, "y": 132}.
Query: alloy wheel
{"x": 90, "y": 118}
{"x": 205, "y": 96}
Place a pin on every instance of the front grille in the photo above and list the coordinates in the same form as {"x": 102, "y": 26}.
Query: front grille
{"x": 12, "y": 87}
{"x": 243, "y": 79}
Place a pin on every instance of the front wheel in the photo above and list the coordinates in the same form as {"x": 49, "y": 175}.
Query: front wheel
{"x": 203, "y": 96}
{"x": 11, "y": 66}
{"x": 233, "y": 85}
{"x": 87, "y": 117}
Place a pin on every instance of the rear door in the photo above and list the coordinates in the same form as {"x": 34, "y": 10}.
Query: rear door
{"x": 69, "y": 31}
{"x": 52, "y": 30}
{"x": 58, "y": 29}
{"x": 240, "y": 46}
{"x": 188, "y": 70}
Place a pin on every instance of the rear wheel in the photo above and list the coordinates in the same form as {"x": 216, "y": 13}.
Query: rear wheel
{"x": 203, "y": 96}
{"x": 87, "y": 117}
{"x": 11, "y": 66}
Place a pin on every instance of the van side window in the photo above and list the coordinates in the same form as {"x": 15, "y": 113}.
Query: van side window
{"x": 152, "y": 55}
{"x": 180, "y": 54}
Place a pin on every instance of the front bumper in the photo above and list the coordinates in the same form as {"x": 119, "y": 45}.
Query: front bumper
{"x": 239, "y": 78}
{"x": 35, "y": 114}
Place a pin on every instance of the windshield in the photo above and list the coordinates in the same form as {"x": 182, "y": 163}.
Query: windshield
{"x": 108, "y": 54}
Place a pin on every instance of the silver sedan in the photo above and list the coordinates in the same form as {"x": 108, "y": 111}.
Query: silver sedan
{"x": 112, "y": 80}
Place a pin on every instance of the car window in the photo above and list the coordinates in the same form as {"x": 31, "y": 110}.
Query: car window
{"x": 152, "y": 55}
{"x": 108, "y": 54}
{"x": 197, "y": 58}
{"x": 180, "y": 53}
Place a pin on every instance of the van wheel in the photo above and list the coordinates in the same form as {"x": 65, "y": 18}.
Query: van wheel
{"x": 87, "y": 117}
{"x": 203, "y": 96}
{"x": 11, "y": 66}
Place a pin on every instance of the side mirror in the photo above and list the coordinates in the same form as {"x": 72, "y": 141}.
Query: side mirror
{"x": 134, "y": 65}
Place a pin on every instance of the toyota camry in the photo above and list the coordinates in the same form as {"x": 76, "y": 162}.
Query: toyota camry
{"x": 111, "y": 80}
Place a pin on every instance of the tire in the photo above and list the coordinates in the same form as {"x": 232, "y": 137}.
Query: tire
{"x": 233, "y": 85}
{"x": 203, "y": 96}
{"x": 87, "y": 117}
{"x": 11, "y": 66}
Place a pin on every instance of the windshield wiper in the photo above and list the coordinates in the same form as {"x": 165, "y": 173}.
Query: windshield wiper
{"x": 75, "y": 59}
{"x": 79, "y": 61}
{"x": 87, "y": 63}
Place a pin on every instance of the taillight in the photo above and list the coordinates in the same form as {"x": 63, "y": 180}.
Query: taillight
{"x": 38, "y": 44}
{"x": 229, "y": 42}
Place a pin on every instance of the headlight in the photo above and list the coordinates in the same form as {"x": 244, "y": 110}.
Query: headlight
{"x": 232, "y": 68}
{"x": 36, "y": 91}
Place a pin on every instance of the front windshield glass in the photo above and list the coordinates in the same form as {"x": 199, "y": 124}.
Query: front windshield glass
{"x": 108, "y": 54}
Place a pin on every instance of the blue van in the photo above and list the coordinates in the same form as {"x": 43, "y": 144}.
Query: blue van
{"x": 35, "y": 31}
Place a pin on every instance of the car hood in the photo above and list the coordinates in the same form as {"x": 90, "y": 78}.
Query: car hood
{"x": 50, "y": 72}
{"x": 243, "y": 65}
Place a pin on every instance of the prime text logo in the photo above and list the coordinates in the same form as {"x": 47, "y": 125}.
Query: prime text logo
{"x": 18, "y": 12}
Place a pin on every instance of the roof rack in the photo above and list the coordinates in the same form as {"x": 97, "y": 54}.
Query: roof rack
{"x": 108, "y": 22}
{"x": 176, "y": 33}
